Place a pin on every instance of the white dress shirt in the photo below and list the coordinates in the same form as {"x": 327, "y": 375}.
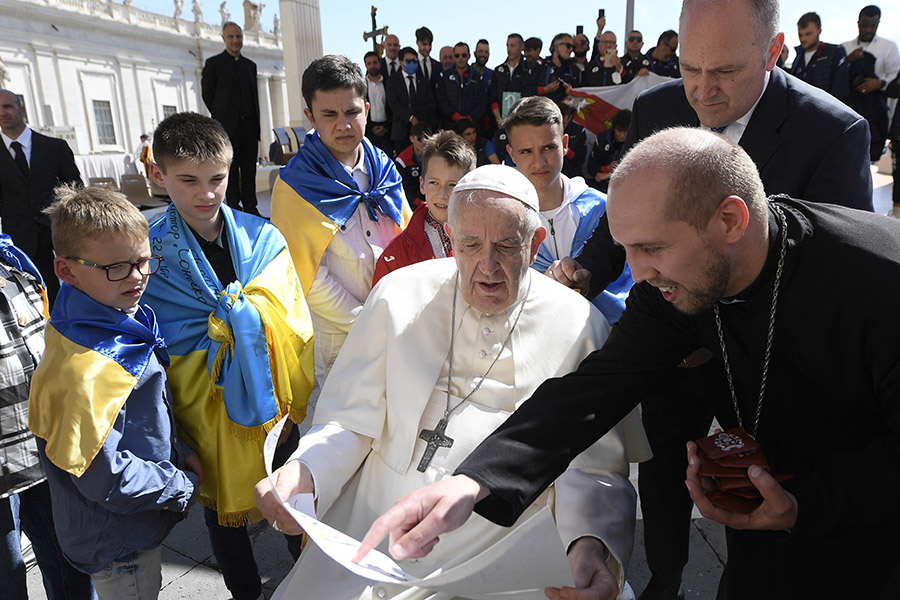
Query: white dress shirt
{"x": 377, "y": 99}
{"x": 735, "y": 130}
{"x": 344, "y": 277}
{"x": 24, "y": 139}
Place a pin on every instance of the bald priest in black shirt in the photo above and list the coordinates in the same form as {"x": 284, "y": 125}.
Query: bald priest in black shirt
{"x": 767, "y": 287}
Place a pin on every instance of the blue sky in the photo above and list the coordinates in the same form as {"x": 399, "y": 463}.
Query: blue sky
{"x": 343, "y": 21}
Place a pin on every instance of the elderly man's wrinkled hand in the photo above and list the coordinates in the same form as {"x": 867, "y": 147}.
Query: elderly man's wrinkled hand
{"x": 593, "y": 580}
{"x": 293, "y": 478}
{"x": 569, "y": 273}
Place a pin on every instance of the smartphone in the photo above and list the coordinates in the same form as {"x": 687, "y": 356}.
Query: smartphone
{"x": 608, "y": 55}
{"x": 601, "y": 13}
{"x": 579, "y": 29}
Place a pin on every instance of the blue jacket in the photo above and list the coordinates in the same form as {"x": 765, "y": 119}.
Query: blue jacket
{"x": 591, "y": 205}
{"x": 134, "y": 490}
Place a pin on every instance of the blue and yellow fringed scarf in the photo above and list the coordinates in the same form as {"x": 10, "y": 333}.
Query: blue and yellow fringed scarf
{"x": 93, "y": 359}
{"x": 242, "y": 356}
{"x": 314, "y": 196}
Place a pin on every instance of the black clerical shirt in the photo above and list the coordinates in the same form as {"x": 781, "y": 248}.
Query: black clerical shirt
{"x": 830, "y": 416}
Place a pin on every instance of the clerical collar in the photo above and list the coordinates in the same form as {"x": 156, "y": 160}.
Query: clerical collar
{"x": 766, "y": 275}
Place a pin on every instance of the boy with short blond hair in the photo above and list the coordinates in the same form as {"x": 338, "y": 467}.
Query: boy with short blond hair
{"x": 446, "y": 157}
{"x": 99, "y": 402}
{"x": 238, "y": 328}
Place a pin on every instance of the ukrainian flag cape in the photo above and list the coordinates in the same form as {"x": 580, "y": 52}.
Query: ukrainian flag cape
{"x": 94, "y": 357}
{"x": 314, "y": 196}
{"x": 13, "y": 256}
{"x": 242, "y": 355}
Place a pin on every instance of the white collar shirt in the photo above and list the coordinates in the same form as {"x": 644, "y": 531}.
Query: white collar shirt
{"x": 24, "y": 139}
{"x": 735, "y": 130}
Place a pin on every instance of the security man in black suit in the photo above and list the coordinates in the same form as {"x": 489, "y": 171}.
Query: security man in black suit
{"x": 31, "y": 166}
{"x": 228, "y": 86}
{"x": 405, "y": 107}
{"x": 805, "y": 144}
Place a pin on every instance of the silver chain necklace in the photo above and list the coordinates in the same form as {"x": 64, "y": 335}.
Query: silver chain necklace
{"x": 435, "y": 438}
{"x": 762, "y": 386}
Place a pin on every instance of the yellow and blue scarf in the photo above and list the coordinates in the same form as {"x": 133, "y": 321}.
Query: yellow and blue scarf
{"x": 242, "y": 354}
{"x": 94, "y": 357}
{"x": 315, "y": 195}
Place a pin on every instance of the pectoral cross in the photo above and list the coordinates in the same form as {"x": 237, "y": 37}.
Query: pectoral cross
{"x": 435, "y": 439}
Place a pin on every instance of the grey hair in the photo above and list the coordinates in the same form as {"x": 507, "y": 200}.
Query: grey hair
{"x": 702, "y": 169}
{"x": 766, "y": 19}
{"x": 531, "y": 222}
{"x": 227, "y": 23}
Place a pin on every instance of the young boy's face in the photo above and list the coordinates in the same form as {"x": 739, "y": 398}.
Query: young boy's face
{"x": 439, "y": 180}
{"x": 197, "y": 191}
{"x": 339, "y": 115}
{"x": 93, "y": 281}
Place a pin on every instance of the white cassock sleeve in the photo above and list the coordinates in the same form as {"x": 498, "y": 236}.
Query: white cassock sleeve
{"x": 594, "y": 497}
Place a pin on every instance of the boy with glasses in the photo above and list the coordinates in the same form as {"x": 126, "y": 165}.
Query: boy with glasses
{"x": 100, "y": 405}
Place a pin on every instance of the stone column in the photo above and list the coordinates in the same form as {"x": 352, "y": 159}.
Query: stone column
{"x": 276, "y": 87}
{"x": 265, "y": 114}
{"x": 301, "y": 27}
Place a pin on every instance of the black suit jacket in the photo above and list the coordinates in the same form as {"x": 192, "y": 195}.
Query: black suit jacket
{"x": 805, "y": 143}
{"x": 384, "y": 67}
{"x": 22, "y": 200}
{"x": 220, "y": 91}
{"x": 435, "y": 70}
{"x": 398, "y": 99}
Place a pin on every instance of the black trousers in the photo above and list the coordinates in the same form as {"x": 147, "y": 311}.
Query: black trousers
{"x": 241, "y": 192}
{"x": 680, "y": 411}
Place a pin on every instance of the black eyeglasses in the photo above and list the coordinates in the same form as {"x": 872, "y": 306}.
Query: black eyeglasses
{"x": 461, "y": 55}
{"x": 567, "y": 45}
{"x": 635, "y": 39}
{"x": 122, "y": 270}
{"x": 673, "y": 49}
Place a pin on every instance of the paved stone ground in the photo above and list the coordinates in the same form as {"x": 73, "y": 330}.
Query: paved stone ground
{"x": 189, "y": 569}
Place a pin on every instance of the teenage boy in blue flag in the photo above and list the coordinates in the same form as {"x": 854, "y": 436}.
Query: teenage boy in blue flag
{"x": 338, "y": 203}
{"x": 239, "y": 333}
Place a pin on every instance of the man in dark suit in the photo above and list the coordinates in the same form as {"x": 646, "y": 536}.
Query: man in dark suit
{"x": 378, "y": 121}
{"x": 405, "y": 108}
{"x": 391, "y": 63}
{"x": 430, "y": 68}
{"x": 805, "y": 144}
{"x": 228, "y": 85}
{"x": 31, "y": 166}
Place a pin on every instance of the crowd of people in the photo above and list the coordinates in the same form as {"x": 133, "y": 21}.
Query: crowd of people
{"x": 462, "y": 323}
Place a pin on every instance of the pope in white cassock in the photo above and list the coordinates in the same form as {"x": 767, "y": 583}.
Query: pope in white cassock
{"x": 448, "y": 348}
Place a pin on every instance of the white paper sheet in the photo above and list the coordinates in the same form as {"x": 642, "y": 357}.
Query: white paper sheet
{"x": 518, "y": 566}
